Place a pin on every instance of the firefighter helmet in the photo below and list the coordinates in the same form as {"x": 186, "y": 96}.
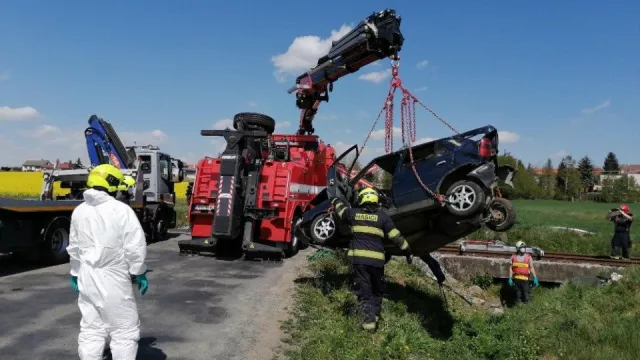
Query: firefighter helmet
{"x": 520, "y": 244}
{"x": 625, "y": 208}
{"x": 105, "y": 176}
{"x": 368, "y": 196}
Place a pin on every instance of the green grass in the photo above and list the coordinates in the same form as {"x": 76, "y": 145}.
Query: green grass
{"x": 181, "y": 210}
{"x": 535, "y": 216}
{"x": 571, "y": 322}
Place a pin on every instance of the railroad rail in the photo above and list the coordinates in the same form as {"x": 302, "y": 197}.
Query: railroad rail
{"x": 552, "y": 256}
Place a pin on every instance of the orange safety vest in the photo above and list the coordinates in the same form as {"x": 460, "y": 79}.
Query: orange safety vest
{"x": 521, "y": 269}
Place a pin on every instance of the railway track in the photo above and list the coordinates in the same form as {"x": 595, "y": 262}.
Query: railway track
{"x": 551, "y": 256}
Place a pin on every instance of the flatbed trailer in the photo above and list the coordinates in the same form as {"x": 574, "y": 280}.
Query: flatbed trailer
{"x": 38, "y": 230}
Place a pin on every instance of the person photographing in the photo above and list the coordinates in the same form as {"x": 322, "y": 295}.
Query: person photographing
{"x": 622, "y": 219}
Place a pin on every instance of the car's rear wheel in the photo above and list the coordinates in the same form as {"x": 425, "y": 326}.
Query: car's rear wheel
{"x": 503, "y": 215}
{"x": 465, "y": 198}
{"x": 323, "y": 228}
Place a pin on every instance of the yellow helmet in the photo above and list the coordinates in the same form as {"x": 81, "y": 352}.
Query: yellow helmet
{"x": 105, "y": 176}
{"x": 367, "y": 196}
{"x": 129, "y": 181}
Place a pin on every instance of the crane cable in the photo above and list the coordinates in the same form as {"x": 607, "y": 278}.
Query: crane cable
{"x": 407, "y": 121}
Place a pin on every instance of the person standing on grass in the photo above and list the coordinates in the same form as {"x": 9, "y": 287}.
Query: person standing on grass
{"x": 521, "y": 268}
{"x": 622, "y": 218}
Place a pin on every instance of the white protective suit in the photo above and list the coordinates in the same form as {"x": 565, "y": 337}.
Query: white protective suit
{"x": 106, "y": 244}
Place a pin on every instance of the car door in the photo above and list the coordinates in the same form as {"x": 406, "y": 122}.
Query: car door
{"x": 431, "y": 163}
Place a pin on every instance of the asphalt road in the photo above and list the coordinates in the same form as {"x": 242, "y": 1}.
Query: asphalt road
{"x": 195, "y": 308}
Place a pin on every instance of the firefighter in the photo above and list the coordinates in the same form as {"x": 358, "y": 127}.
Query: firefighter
{"x": 370, "y": 226}
{"x": 622, "y": 218}
{"x": 520, "y": 270}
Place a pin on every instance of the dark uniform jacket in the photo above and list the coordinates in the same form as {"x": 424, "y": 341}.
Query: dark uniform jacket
{"x": 370, "y": 228}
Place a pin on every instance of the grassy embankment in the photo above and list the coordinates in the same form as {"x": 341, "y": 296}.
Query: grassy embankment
{"x": 570, "y": 322}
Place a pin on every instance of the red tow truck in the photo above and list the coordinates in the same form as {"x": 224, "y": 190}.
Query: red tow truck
{"x": 253, "y": 194}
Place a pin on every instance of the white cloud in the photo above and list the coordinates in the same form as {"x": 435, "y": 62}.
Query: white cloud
{"x": 597, "y": 108}
{"x": 303, "y": 54}
{"x": 154, "y": 137}
{"x": 218, "y": 142}
{"x": 252, "y": 104}
{"x": 379, "y": 134}
{"x": 508, "y": 137}
{"x": 422, "y": 64}
{"x": 4, "y": 76}
{"x": 422, "y": 88}
{"x": 18, "y": 114}
{"x": 282, "y": 125}
{"x": 376, "y": 77}
{"x": 559, "y": 155}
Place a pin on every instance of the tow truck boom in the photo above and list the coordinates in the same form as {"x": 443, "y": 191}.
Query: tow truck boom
{"x": 376, "y": 37}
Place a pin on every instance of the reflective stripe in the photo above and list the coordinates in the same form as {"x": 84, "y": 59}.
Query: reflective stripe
{"x": 393, "y": 233}
{"x": 366, "y": 253}
{"x": 519, "y": 264}
{"x": 405, "y": 245}
{"x": 521, "y": 277}
{"x": 305, "y": 189}
{"x": 367, "y": 230}
{"x": 341, "y": 212}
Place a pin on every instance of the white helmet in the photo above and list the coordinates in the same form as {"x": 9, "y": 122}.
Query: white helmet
{"x": 520, "y": 244}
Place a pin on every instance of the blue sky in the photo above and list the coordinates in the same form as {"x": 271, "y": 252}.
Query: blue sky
{"x": 562, "y": 77}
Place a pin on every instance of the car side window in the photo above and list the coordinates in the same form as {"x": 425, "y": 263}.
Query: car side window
{"x": 426, "y": 153}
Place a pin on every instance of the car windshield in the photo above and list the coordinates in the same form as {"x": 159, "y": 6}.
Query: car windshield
{"x": 349, "y": 166}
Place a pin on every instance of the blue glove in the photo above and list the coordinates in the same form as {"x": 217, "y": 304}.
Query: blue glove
{"x": 143, "y": 283}
{"x": 74, "y": 283}
{"x": 510, "y": 282}
{"x": 535, "y": 282}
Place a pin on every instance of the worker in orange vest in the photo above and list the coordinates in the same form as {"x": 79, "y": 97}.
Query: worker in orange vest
{"x": 519, "y": 273}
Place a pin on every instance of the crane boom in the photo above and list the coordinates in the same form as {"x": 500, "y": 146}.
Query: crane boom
{"x": 376, "y": 37}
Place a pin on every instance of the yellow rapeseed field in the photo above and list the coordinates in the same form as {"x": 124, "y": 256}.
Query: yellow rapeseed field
{"x": 28, "y": 184}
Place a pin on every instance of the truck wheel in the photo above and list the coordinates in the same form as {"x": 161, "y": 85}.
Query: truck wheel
{"x": 465, "y": 198}
{"x": 56, "y": 240}
{"x": 323, "y": 228}
{"x": 254, "y": 121}
{"x": 503, "y": 215}
{"x": 294, "y": 245}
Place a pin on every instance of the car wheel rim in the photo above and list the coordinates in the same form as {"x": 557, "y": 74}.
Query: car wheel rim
{"x": 59, "y": 241}
{"x": 324, "y": 228}
{"x": 462, "y": 198}
{"x": 498, "y": 214}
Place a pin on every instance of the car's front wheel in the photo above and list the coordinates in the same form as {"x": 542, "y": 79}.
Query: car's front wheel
{"x": 323, "y": 228}
{"x": 465, "y": 198}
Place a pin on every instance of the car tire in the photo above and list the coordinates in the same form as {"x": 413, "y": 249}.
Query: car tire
{"x": 323, "y": 228}
{"x": 465, "y": 198}
{"x": 56, "y": 240}
{"x": 254, "y": 121}
{"x": 507, "y": 215}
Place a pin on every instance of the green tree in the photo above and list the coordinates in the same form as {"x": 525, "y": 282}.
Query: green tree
{"x": 568, "y": 179}
{"x": 620, "y": 189}
{"x": 547, "y": 180}
{"x": 611, "y": 163}
{"x": 525, "y": 185}
{"x": 585, "y": 168}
